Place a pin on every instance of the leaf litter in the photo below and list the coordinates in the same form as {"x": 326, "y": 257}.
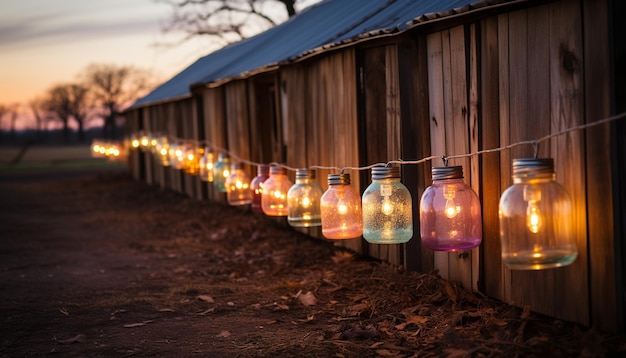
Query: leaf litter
{"x": 253, "y": 287}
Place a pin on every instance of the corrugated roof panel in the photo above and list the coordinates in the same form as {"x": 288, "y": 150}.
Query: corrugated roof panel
{"x": 322, "y": 25}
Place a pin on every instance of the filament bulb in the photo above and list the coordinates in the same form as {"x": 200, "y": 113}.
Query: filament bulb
{"x": 387, "y": 207}
{"x": 451, "y": 208}
{"x": 534, "y": 219}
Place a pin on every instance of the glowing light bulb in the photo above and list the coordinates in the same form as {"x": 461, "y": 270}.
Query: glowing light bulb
{"x": 534, "y": 220}
{"x": 451, "y": 209}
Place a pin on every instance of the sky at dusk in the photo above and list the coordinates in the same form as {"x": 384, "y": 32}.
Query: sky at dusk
{"x": 45, "y": 42}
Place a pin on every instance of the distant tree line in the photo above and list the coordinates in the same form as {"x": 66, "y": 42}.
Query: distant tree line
{"x": 101, "y": 91}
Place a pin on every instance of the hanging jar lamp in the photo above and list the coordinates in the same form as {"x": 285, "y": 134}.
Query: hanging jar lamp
{"x": 536, "y": 218}
{"x": 163, "y": 150}
{"x": 256, "y": 185}
{"x": 238, "y": 186}
{"x": 221, "y": 171}
{"x": 304, "y": 200}
{"x": 341, "y": 209}
{"x": 387, "y": 208}
{"x": 191, "y": 158}
{"x": 274, "y": 196}
{"x": 134, "y": 140}
{"x": 206, "y": 166}
{"x": 144, "y": 141}
{"x": 179, "y": 155}
{"x": 450, "y": 212}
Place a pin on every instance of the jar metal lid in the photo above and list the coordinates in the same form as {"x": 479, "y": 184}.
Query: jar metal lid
{"x": 305, "y": 173}
{"x": 277, "y": 170}
{"x": 385, "y": 172}
{"x": 530, "y": 167}
{"x": 339, "y": 179}
{"x": 443, "y": 173}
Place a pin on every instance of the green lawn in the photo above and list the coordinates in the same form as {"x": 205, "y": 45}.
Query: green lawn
{"x": 53, "y": 157}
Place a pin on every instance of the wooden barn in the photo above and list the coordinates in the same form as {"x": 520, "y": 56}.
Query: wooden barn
{"x": 348, "y": 83}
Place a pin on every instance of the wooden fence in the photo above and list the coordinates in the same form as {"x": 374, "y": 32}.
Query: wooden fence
{"x": 472, "y": 83}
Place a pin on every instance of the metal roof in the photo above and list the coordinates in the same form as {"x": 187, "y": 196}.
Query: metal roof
{"x": 319, "y": 27}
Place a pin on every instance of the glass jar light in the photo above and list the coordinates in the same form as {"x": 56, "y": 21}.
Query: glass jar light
{"x": 275, "y": 189}
{"x": 341, "y": 209}
{"x": 238, "y": 186}
{"x": 191, "y": 158}
{"x": 221, "y": 171}
{"x": 206, "y": 166}
{"x": 536, "y": 218}
{"x": 256, "y": 185}
{"x": 387, "y": 208}
{"x": 450, "y": 212}
{"x": 163, "y": 150}
{"x": 304, "y": 200}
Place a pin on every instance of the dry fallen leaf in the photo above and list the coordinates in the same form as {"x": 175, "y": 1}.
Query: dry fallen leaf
{"x": 307, "y": 299}
{"x": 418, "y": 320}
{"x": 138, "y": 324}
{"x": 450, "y": 291}
{"x": 77, "y": 339}
{"x": 203, "y": 313}
{"x": 224, "y": 334}
{"x": 206, "y": 298}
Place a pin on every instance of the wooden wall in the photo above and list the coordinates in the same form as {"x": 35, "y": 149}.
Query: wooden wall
{"x": 320, "y": 118}
{"x": 474, "y": 85}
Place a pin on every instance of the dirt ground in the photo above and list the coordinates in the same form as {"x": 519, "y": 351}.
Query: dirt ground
{"x": 95, "y": 264}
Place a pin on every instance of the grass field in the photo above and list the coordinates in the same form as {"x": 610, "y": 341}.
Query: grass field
{"x": 52, "y": 157}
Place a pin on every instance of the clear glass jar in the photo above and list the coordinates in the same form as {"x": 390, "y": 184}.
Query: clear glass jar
{"x": 275, "y": 189}
{"x": 256, "y": 185}
{"x": 450, "y": 212}
{"x": 163, "y": 150}
{"x": 341, "y": 209}
{"x": 536, "y": 218}
{"x": 387, "y": 208}
{"x": 238, "y": 186}
{"x": 304, "y": 200}
{"x": 221, "y": 171}
{"x": 206, "y": 166}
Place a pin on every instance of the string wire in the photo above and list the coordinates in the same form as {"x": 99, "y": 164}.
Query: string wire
{"x": 535, "y": 143}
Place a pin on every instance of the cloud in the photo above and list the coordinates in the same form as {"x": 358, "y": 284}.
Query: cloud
{"x": 52, "y": 29}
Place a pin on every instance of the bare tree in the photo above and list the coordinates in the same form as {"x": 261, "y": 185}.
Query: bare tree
{"x": 39, "y": 112}
{"x": 68, "y": 101}
{"x": 228, "y": 20}
{"x": 113, "y": 88}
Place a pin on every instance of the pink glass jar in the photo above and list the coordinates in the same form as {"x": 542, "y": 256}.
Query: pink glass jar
{"x": 450, "y": 212}
{"x": 256, "y": 185}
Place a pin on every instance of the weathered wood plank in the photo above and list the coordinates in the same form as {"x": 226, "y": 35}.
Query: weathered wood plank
{"x": 414, "y": 140}
{"x": 434, "y": 43}
{"x": 491, "y": 263}
{"x": 604, "y": 304}
{"x": 474, "y": 139}
{"x": 457, "y": 139}
{"x": 567, "y": 108}
{"x": 531, "y": 120}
